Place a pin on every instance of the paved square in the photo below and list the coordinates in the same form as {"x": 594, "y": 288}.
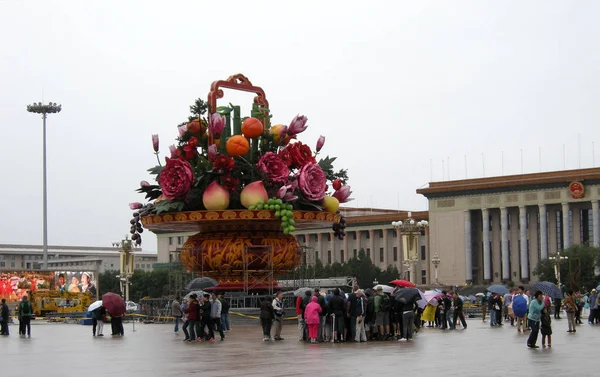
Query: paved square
{"x": 153, "y": 350}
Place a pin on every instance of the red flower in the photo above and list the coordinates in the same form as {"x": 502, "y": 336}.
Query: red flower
{"x": 190, "y": 151}
{"x": 286, "y": 157}
{"x": 176, "y": 178}
{"x": 193, "y": 141}
{"x": 301, "y": 155}
{"x": 276, "y": 170}
{"x": 224, "y": 163}
{"x": 230, "y": 182}
{"x": 312, "y": 182}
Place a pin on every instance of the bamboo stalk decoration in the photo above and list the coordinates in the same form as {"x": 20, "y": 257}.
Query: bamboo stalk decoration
{"x": 237, "y": 122}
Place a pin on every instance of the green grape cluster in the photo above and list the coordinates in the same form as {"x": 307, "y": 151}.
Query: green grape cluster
{"x": 282, "y": 211}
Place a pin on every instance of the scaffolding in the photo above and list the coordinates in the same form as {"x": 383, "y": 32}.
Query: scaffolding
{"x": 256, "y": 277}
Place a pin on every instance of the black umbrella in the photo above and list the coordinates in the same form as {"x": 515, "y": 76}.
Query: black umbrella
{"x": 202, "y": 283}
{"x": 549, "y": 288}
{"x": 409, "y": 295}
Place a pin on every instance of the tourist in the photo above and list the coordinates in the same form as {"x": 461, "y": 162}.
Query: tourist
{"x": 508, "y": 308}
{"x": 322, "y": 315}
{"x": 534, "y": 317}
{"x": 520, "y": 305}
{"x": 593, "y": 317}
{"x": 579, "y": 302}
{"x": 25, "y": 313}
{"x": 279, "y": 312}
{"x": 492, "y": 304}
{"x": 4, "y": 318}
{"x": 484, "y": 305}
{"x": 98, "y": 321}
{"x": 176, "y": 313}
{"x": 312, "y": 320}
{"x": 225, "y": 313}
{"x": 446, "y": 302}
{"x": 370, "y": 314}
{"x": 266, "y": 318}
{"x": 458, "y": 311}
{"x": 307, "y": 299}
{"x": 557, "y": 308}
{"x": 192, "y": 316}
{"x": 571, "y": 309}
{"x": 336, "y": 311}
{"x": 205, "y": 321}
{"x": 428, "y": 315}
{"x": 360, "y": 314}
{"x": 350, "y": 312}
{"x": 546, "y": 322}
{"x": 408, "y": 321}
{"x": 300, "y": 316}
{"x": 215, "y": 316}
{"x": 382, "y": 308}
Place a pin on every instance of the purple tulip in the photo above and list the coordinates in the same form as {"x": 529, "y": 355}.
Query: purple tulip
{"x": 298, "y": 125}
{"x": 286, "y": 193}
{"x": 320, "y": 142}
{"x": 144, "y": 184}
{"x": 216, "y": 124}
{"x": 173, "y": 150}
{"x": 155, "y": 142}
{"x": 212, "y": 152}
{"x": 343, "y": 194}
{"x": 182, "y": 130}
{"x": 135, "y": 205}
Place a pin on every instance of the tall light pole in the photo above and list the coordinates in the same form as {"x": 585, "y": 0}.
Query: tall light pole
{"x": 410, "y": 229}
{"x": 557, "y": 259}
{"x": 436, "y": 262}
{"x": 126, "y": 265}
{"x": 50, "y": 108}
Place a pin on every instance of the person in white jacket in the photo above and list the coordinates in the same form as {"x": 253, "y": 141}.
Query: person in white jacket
{"x": 215, "y": 315}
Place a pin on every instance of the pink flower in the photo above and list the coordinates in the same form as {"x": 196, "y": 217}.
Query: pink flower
{"x": 312, "y": 182}
{"x": 217, "y": 123}
{"x": 176, "y": 178}
{"x": 298, "y": 125}
{"x": 343, "y": 194}
{"x": 135, "y": 205}
{"x": 320, "y": 142}
{"x": 286, "y": 193}
{"x": 276, "y": 170}
{"x": 173, "y": 150}
{"x": 155, "y": 142}
{"x": 182, "y": 130}
{"x": 144, "y": 184}
{"x": 212, "y": 152}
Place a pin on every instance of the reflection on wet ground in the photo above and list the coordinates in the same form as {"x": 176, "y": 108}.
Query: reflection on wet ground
{"x": 153, "y": 350}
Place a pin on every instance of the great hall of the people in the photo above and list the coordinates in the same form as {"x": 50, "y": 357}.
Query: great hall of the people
{"x": 481, "y": 230}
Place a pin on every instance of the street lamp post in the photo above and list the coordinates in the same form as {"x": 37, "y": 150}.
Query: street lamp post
{"x": 126, "y": 265}
{"x": 39, "y": 108}
{"x": 436, "y": 262}
{"x": 410, "y": 229}
{"x": 557, "y": 259}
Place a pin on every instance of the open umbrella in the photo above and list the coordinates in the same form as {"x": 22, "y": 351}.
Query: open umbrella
{"x": 480, "y": 294}
{"x": 201, "y": 283}
{"x": 430, "y": 295}
{"x": 114, "y": 304}
{"x": 402, "y": 283}
{"x": 472, "y": 298}
{"x": 300, "y": 292}
{"x": 500, "y": 289}
{"x": 386, "y": 288}
{"x": 598, "y": 288}
{"x": 548, "y": 288}
{"x": 95, "y": 305}
{"x": 198, "y": 294}
{"x": 409, "y": 295}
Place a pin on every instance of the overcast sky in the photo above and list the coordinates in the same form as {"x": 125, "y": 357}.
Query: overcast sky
{"x": 395, "y": 86}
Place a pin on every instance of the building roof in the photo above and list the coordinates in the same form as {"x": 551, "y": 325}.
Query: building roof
{"x": 371, "y": 216}
{"x": 66, "y": 250}
{"x": 519, "y": 182}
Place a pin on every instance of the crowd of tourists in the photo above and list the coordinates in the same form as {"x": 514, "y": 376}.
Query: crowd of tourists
{"x": 202, "y": 317}
{"x": 24, "y": 313}
{"x": 359, "y": 316}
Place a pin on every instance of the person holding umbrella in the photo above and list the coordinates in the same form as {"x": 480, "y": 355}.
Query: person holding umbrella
{"x": 546, "y": 322}
{"x": 534, "y": 317}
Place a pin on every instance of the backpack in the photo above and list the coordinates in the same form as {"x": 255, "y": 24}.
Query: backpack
{"x": 385, "y": 305}
{"x": 25, "y": 308}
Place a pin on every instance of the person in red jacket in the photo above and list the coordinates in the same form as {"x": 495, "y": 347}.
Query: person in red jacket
{"x": 299, "y": 314}
{"x": 192, "y": 318}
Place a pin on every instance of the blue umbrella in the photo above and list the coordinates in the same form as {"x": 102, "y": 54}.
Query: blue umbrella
{"x": 519, "y": 306}
{"x": 598, "y": 288}
{"x": 548, "y": 288}
{"x": 472, "y": 298}
{"x": 500, "y": 289}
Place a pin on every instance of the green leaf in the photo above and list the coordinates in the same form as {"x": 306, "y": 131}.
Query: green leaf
{"x": 224, "y": 110}
{"x": 156, "y": 170}
{"x": 169, "y": 206}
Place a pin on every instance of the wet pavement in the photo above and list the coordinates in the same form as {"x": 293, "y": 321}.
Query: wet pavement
{"x": 153, "y": 350}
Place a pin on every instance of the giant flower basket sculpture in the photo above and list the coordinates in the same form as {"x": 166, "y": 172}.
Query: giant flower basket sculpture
{"x": 244, "y": 187}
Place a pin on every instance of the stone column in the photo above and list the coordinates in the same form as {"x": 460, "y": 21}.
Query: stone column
{"x": 523, "y": 236}
{"x": 468, "y": 247}
{"x": 504, "y": 242}
{"x": 322, "y": 254}
{"x": 385, "y": 248}
{"x": 347, "y": 251}
{"x": 543, "y": 232}
{"x": 565, "y": 226}
{"x": 372, "y": 247}
{"x": 358, "y": 234}
{"x": 487, "y": 255}
{"x": 332, "y": 245}
{"x": 595, "y": 224}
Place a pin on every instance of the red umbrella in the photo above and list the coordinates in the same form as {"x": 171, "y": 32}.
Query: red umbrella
{"x": 114, "y": 304}
{"x": 403, "y": 283}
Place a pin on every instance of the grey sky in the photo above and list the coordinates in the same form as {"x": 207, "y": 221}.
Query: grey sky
{"x": 391, "y": 84}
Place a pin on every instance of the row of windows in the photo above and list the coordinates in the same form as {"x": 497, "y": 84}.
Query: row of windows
{"x": 368, "y": 251}
{"x": 143, "y": 266}
{"x": 179, "y": 240}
